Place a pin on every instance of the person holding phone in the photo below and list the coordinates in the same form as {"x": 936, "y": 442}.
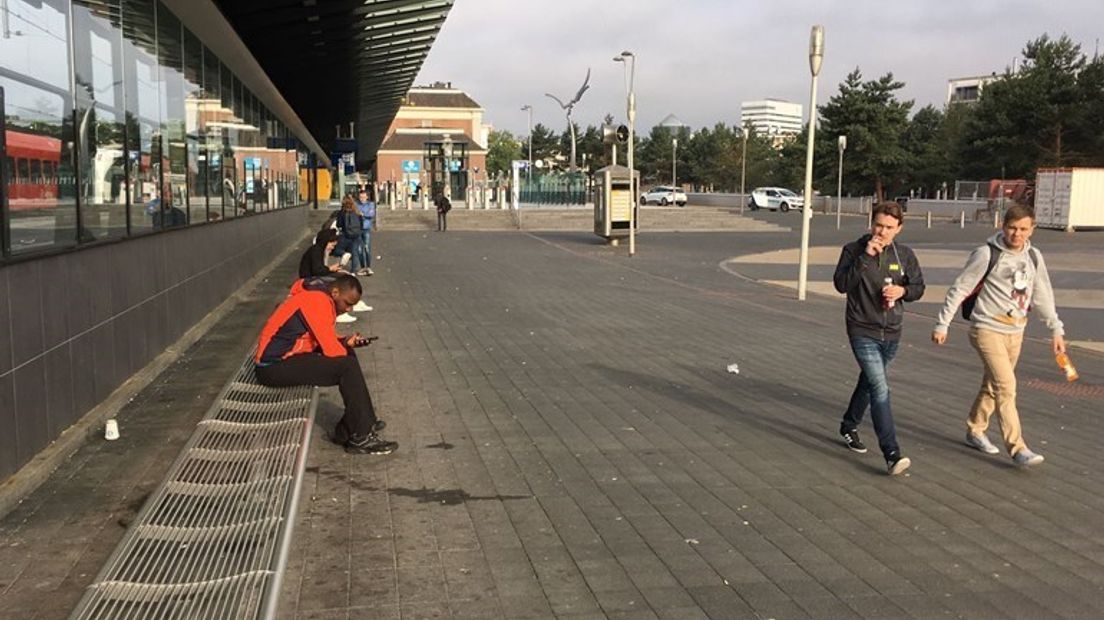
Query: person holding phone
{"x": 299, "y": 345}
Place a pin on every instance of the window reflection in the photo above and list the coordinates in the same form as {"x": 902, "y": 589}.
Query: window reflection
{"x": 38, "y": 166}
{"x": 143, "y": 114}
{"x": 125, "y": 113}
{"x": 98, "y": 67}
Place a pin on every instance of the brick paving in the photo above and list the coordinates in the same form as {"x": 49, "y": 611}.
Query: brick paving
{"x": 573, "y": 447}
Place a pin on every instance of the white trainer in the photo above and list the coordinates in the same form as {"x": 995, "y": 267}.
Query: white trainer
{"x": 345, "y": 318}
{"x": 362, "y": 307}
{"x": 981, "y": 442}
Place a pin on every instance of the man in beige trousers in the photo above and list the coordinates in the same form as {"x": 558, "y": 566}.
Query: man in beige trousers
{"x": 1008, "y": 277}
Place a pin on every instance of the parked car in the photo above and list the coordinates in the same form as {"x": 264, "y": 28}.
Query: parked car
{"x": 664, "y": 195}
{"x": 775, "y": 198}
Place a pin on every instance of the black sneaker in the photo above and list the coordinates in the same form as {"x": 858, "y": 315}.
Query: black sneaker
{"x": 370, "y": 444}
{"x": 851, "y": 438}
{"x": 340, "y": 436}
{"x": 896, "y": 465}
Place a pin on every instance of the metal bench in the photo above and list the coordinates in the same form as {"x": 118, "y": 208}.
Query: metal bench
{"x": 212, "y": 540}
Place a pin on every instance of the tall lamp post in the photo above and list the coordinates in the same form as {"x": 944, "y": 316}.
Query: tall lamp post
{"x": 446, "y": 152}
{"x": 816, "y": 56}
{"x": 743, "y": 170}
{"x": 674, "y": 162}
{"x": 839, "y": 186}
{"x": 629, "y": 60}
{"x": 529, "y": 167}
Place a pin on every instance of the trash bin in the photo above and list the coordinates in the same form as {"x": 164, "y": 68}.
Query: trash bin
{"x": 903, "y": 201}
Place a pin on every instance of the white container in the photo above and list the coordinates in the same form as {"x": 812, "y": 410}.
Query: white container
{"x": 1069, "y": 198}
{"x": 111, "y": 430}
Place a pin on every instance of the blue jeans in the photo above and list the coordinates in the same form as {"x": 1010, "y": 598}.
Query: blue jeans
{"x": 366, "y": 240}
{"x": 872, "y": 390}
{"x": 356, "y": 248}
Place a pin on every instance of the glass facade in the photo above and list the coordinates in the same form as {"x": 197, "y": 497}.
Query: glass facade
{"x": 117, "y": 121}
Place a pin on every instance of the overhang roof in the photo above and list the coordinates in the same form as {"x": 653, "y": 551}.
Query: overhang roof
{"x": 340, "y": 61}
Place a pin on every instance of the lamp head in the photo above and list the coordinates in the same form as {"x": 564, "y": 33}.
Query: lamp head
{"x": 816, "y": 49}
{"x": 842, "y": 143}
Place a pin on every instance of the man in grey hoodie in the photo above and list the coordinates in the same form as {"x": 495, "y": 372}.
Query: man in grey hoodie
{"x": 1006, "y": 287}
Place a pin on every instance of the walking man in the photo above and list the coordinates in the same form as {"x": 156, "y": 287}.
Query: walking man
{"x": 1002, "y": 280}
{"x": 299, "y": 346}
{"x": 877, "y": 274}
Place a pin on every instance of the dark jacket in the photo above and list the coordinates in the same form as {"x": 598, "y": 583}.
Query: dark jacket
{"x": 351, "y": 225}
{"x": 861, "y": 277}
{"x": 313, "y": 262}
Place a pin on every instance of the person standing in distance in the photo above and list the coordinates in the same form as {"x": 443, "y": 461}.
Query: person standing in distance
{"x": 877, "y": 274}
{"x": 1009, "y": 277}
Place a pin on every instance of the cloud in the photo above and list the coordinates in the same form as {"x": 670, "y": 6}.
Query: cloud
{"x": 699, "y": 59}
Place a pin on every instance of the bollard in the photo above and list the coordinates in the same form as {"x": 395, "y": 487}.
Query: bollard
{"x": 962, "y": 220}
{"x": 996, "y": 219}
{"x": 929, "y": 219}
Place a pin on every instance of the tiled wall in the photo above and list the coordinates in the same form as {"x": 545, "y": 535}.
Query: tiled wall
{"x": 75, "y": 326}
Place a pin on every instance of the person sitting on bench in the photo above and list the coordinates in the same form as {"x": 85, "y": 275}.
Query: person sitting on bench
{"x": 300, "y": 346}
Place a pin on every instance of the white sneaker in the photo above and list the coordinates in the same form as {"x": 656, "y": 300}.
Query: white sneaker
{"x": 346, "y": 258}
{"x": 981, "y": 442}
{"x": 1026, "y": 457}
{"x": 345, "y": 318}
{"x": 362, "y": 307}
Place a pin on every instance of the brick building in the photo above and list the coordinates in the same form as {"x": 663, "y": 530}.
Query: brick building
{"x": 435, "y": 124}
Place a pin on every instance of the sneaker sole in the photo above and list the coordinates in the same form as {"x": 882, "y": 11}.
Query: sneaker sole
{"x": 900, "y": 466}
{"x": 349, "y": 450}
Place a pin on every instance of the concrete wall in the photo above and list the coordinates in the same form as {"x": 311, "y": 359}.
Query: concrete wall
{"x": 75, "y": 326}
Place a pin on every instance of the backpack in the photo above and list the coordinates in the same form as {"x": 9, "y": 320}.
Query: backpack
{"x": 968, "y": 304}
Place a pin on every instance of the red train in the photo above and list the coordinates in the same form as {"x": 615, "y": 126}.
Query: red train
{"x": 31, "y": 169}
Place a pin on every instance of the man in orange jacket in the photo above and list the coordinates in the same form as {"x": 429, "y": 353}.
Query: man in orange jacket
{"x": 299, "y": 346}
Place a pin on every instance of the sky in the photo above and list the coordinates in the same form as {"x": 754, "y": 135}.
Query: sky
{"x": 698, "y": 59}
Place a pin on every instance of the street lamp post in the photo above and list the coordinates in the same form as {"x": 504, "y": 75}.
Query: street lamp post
{"x": 816, "y": 56}
{"x": 529, "y": 167}
{"x": 839, "y": 186}
{"x": 674, "y": 162}
{"x": 629, "y": 59}
{"x": 743, "y": 171}
{"x": 446, "y": 152}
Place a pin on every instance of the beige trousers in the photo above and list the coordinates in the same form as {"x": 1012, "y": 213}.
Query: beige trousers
{"x": 999, "y": 354}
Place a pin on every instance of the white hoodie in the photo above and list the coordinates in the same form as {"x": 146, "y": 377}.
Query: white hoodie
{"x": 1014, "y": 286}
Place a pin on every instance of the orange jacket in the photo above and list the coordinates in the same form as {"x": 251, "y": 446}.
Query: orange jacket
{"x": 302, "y": 324}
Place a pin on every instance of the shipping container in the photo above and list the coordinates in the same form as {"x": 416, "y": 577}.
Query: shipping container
{"x": 1069, "y": 198}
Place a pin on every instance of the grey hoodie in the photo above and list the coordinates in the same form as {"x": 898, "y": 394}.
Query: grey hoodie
{"x": 1014, "y": 286}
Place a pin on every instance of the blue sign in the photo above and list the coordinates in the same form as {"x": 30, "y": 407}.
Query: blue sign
{"x": 412, "y": 165}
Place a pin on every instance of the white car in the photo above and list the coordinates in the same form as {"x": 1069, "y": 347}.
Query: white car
{"x": 775, "y": 198}
{"x": 664, "y": 195}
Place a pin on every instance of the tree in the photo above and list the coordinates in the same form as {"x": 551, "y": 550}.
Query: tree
{"x": 545, "y": 144}
{"x": 875, "y": 122}
{"x": 1048, "y": 114}
{"x": 502, "y": 149}
{"x": 928, "y": 147}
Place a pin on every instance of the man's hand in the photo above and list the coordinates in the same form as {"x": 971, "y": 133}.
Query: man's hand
{"x": 939, "y": 337}
{"x": 1059, "y": 345}
{"x": 875, "y": 246}
{"x": 892, "y": 292}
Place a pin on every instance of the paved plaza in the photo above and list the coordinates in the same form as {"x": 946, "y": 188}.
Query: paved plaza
{"x": 573, "y": 446}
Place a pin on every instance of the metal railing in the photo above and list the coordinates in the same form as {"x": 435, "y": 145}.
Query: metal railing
{"x": 212, "y": 540}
